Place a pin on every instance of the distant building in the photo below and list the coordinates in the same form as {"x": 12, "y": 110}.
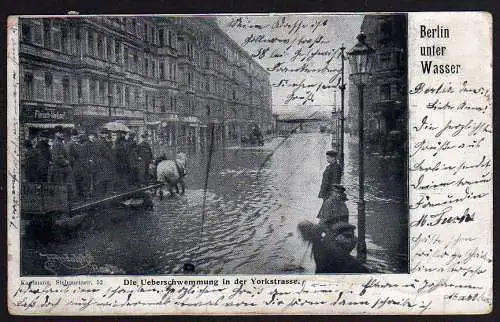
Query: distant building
{"x": 386, "y": 96}
{"x": 173, "y": 77}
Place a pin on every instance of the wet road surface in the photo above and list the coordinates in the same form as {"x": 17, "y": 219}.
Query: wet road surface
{"x": 256, "y": 197}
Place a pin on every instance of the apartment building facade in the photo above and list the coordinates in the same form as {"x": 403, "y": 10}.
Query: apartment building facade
{"x": 180, "y": 79}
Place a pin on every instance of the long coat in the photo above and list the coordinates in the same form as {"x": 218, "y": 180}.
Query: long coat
{"x": 44, "y": 158}
{"x": 331, "y": 176}
{"x": 334, "y": 209}
{"x": 31, "y": 162}
{"x": 60, "y": 171}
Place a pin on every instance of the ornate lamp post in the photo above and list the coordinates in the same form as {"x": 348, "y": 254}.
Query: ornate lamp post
{"x": 361, "y": 61}
{"x": 342, "y": 99}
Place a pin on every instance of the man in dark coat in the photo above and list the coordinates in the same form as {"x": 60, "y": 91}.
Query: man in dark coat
{"x": 60, "y": 170}
{"x": 93, "y": 161}
{"x": 331, "y": 247}
{"x": 74, "y": 150}
{"x": 121, "y": 160}
{"x": 133, "y": 159}
{"x": 44, "y": 156}
{"x": 334, "y": 210}
{"x": 146, "y": 155}
{"x": 30, "y": 162}
{"x": 331, "y": 177}
{"x": 103, "y": 163}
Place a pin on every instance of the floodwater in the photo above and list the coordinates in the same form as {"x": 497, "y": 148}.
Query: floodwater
{"x": 245, "y": 223}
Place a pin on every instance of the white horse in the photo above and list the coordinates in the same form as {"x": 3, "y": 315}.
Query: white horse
{"x": 172, "y": 173}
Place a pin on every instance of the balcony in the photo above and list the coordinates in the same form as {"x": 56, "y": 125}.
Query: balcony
{"x": 44, "y": 53}
{"x": 103, "y": 111}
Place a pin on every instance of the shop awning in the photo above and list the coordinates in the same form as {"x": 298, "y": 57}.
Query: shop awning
{"x": 153, "y": 123}
{"x": 49, "y": 125}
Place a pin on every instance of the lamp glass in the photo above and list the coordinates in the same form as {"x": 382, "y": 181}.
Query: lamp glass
{"x": 361, "y": 58}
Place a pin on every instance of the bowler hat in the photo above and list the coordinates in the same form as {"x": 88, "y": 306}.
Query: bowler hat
{"x": 331, "y": 153}
{"x": 74, "y": 132}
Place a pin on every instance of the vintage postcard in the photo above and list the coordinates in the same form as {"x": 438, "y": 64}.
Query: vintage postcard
{"x": 326, "y": 163}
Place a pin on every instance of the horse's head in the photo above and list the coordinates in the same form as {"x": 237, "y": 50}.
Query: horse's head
{"x": 181, "y": 158}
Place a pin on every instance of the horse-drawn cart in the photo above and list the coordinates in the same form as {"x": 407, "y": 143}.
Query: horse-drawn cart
{"x": 46, "y": 206}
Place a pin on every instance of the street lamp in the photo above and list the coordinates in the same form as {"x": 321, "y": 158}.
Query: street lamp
{"x": 361, "y": 61}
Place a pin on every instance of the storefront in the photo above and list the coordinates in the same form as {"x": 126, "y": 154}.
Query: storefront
{"x": 37, "y": 119}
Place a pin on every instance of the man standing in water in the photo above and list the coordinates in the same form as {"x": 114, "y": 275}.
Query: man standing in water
{"x": 331, "y": 179}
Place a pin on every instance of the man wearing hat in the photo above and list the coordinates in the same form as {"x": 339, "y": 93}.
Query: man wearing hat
{"x": 332, "y": 193}
{"x": 146, "y": 156}
{"x": 44, "y": 155}
{"x": 331, "y": 247}
{"x": 60, "y": 171}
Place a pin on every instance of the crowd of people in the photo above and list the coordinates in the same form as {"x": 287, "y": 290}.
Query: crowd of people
{"x": 90, "y": 163}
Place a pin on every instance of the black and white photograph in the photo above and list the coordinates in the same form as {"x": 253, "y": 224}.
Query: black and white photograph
{"x": 213, "y": 144}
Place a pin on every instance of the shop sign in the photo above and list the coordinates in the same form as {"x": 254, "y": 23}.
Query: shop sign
{"x": 45, "y": 114}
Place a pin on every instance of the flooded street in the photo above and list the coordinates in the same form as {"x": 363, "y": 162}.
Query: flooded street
{"x": 256, "y": 196}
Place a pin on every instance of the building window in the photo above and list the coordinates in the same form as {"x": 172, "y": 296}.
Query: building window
{"x": 26, "y": 32}
{"x": 162, "y": 108}
{"x": 79, "y": 89}
{"x": 109, "y": 49}
{"x": 385, "y": 92}
{"x": 28, "y": 86}
{"x": 125, "y": 58}
{"x": 153, "y": 69}
{"x": 49, "y": 87}
{"x": 66, "y": 90}
{"x": 172, "y": 109}
{"x": 100, "y": 46}
{"x": 78, "y": 37}
{"x": 118, "y": 94}
{"x": 56, "y": 36}
{"x": 90, "y": 43}
{"x": 146, "y": 66}
{"x": 207, "y": 61}
{"x": 101, "y": 92}
{"x": 46, "y": 34}
{"x": 161, "y": 37}
{"x": 92, "y": 91}
{"x": 136, "y": 97}
{"x": 117, "y": 51}
{"x": 171, "y": 71}
{"x": 37, "y": 33}
{"x": 170, "y": 38}
{"x": 127, "y": 96}
{"x": 65, "y": 39}
{"x": 162, "y": 70}
{"x": 135, "y": 65}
